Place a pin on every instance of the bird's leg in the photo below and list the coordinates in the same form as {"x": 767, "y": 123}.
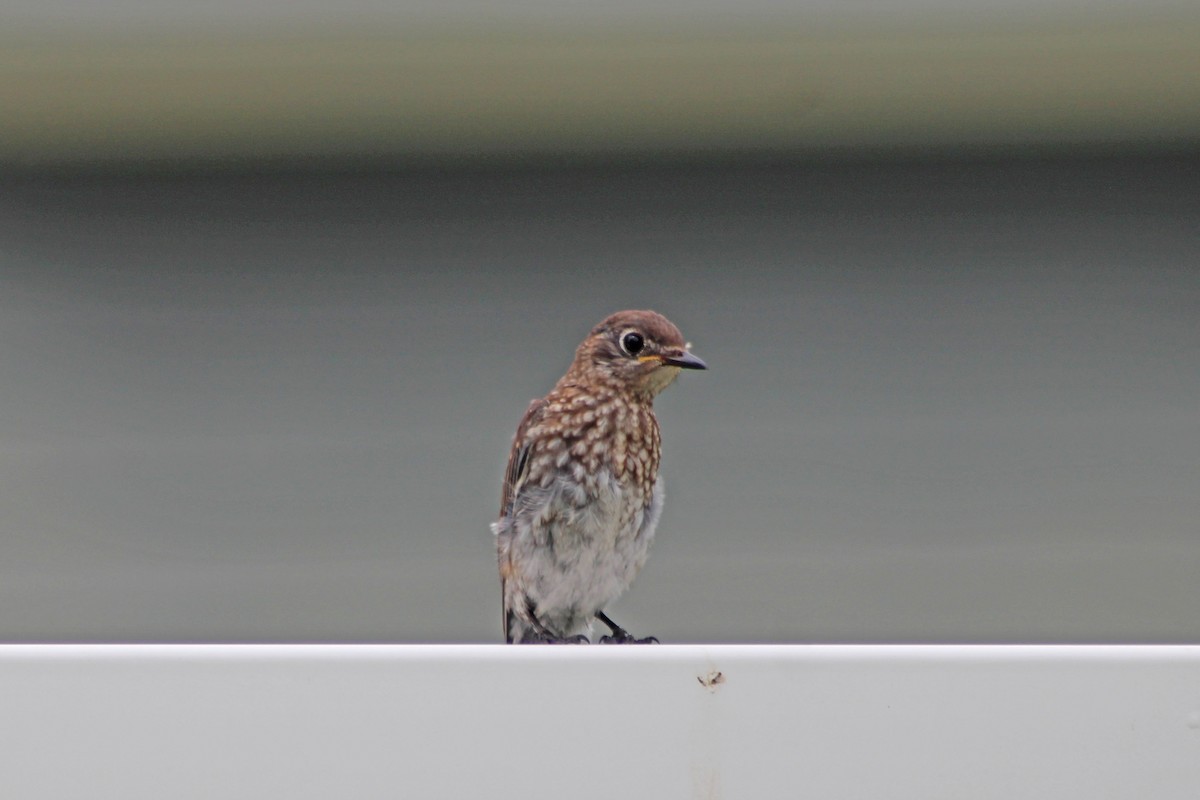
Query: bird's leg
{"x": 543, "y": 635}
{"x": 619, "y": 634}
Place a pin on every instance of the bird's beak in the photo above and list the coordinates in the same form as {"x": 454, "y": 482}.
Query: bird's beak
{"x": 684, "y": 360}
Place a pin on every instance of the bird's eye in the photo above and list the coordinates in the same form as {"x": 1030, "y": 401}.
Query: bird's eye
{"x": 632, "y": 343}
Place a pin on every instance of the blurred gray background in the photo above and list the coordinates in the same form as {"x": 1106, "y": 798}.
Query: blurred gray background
{"x": 273, "y": 298}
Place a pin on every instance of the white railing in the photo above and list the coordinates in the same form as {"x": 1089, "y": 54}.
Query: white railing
{"x": 267, "y": 721}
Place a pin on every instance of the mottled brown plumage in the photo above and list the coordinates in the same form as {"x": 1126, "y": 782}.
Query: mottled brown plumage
{"x": 582, "y": 494}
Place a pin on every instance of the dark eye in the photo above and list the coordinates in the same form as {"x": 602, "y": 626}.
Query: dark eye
{"x": 632, "y": 343}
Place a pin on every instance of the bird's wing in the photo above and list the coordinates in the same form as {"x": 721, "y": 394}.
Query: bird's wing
{"x": 518, "y": 457}
{"x": 514, "y": 479}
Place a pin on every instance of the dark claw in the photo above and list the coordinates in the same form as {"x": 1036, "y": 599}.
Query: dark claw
{"x": 623, "y": 637}
{"x": 619, "y": 636}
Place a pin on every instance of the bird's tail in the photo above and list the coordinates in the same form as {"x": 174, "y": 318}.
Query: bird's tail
{"x": 508, "y": 619}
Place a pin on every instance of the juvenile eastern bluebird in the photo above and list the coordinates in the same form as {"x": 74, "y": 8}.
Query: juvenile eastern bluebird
{"x": 582, "y": 495}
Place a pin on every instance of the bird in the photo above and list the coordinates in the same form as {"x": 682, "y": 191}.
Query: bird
{"x": 581, "y": 495}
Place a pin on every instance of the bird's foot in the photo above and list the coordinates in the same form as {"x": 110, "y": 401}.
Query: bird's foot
{"x": 622, "y": 636}
{"x": 550, "y": 638}
{"x": 578, "y": 638}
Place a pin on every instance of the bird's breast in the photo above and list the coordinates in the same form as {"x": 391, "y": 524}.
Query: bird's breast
{"x": 585, "y": 435}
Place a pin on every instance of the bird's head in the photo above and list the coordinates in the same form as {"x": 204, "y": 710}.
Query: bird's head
{"x": 640, "y": 351}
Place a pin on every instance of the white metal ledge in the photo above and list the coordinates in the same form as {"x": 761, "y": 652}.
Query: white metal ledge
{"x": 260, "y": 721}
